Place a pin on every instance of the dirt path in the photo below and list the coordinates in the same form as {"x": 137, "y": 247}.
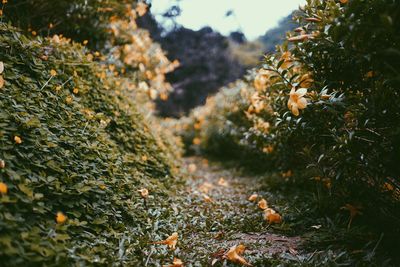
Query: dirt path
{"x": 219, "y": 216}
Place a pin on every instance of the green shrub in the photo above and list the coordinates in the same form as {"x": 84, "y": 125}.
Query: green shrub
{"x": 84, "y": 153}
{"x": 347, "y": 137}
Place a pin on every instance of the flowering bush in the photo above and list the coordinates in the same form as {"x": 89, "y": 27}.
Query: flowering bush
{"x": 322, "y": 108}
{"x": 76, "y": 150}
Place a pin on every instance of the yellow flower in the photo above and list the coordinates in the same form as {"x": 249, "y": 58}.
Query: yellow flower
{"x": 3, "y": 188}
{"x": 297, "y": 100}
{"x": 17, "y": 140}
{"x": 85, "y": 42}
{"x": 196, "y": 141}
{"x": 69, "y": 99}
{"x": 144, "y": 192}
{"x": 102, "y": 186}
{"x": 287, "y": 59}
{"x": 61, "y": 218}
{"x": 34, "y": 33}
{"x": 253, "y": 197}
{"x": 262, "y": 204}
{"x": 144, "y": 158}
{"x": 75, "y": 91}
{"x": 268, "y": 149}
{"x": 53, "y": 73}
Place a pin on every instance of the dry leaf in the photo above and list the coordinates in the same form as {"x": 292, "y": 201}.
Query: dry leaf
{"x": 144, "y": 192}
{"x": 207, "y": 198}
{"x": 234, "y": 253}
{"x": 262, "y": 204}
{"x": 205, "y": 187}
{"x": 170, "y": 241}
{"x": 176, "y": 263}
{"x": 253, "y": 197}
{"x": 272, "y": 216}
{"x": 222, "y": 182}
{"x": 192, "y": 167}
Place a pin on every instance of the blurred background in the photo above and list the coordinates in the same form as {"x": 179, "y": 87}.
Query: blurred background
{"x": 214, "y": 41}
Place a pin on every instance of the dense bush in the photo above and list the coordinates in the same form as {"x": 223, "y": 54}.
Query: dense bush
{"x": 324, "y": 109}
{"x": 75, "y": 146}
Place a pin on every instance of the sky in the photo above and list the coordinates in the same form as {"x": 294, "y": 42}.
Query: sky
{"x": 253, "y": 17}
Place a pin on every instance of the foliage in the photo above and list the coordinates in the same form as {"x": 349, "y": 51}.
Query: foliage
{"x": 75, "y": 145}
{"x": 323, "y": 110}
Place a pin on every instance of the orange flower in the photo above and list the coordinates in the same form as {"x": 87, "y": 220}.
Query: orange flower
{"x": 297, "y": 100}
{"x": 17, "y": 139}
{"x": 75, "y": 91}
{"x": 262, "y": 204}
{"x": 343, "y": 1}
{"x": 234, "y": 253}
{"x": 61, "y": 218}
{"x": 196, "y": 141}
{"x": 253, "y": 197}
{"x": 3, "y": 188}
{"x": 144, "y": 192}
{"x": 287, "y": 59}
{"x": 386, "y": 186}
{"x": 68, "y": 99}
{"x": 306, "y": 81}
{"x": 1, "y": 81}
{"x": 170, "y": 241}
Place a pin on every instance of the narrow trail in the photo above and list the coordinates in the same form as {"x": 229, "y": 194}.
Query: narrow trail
{"x": 219, "y": 216}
